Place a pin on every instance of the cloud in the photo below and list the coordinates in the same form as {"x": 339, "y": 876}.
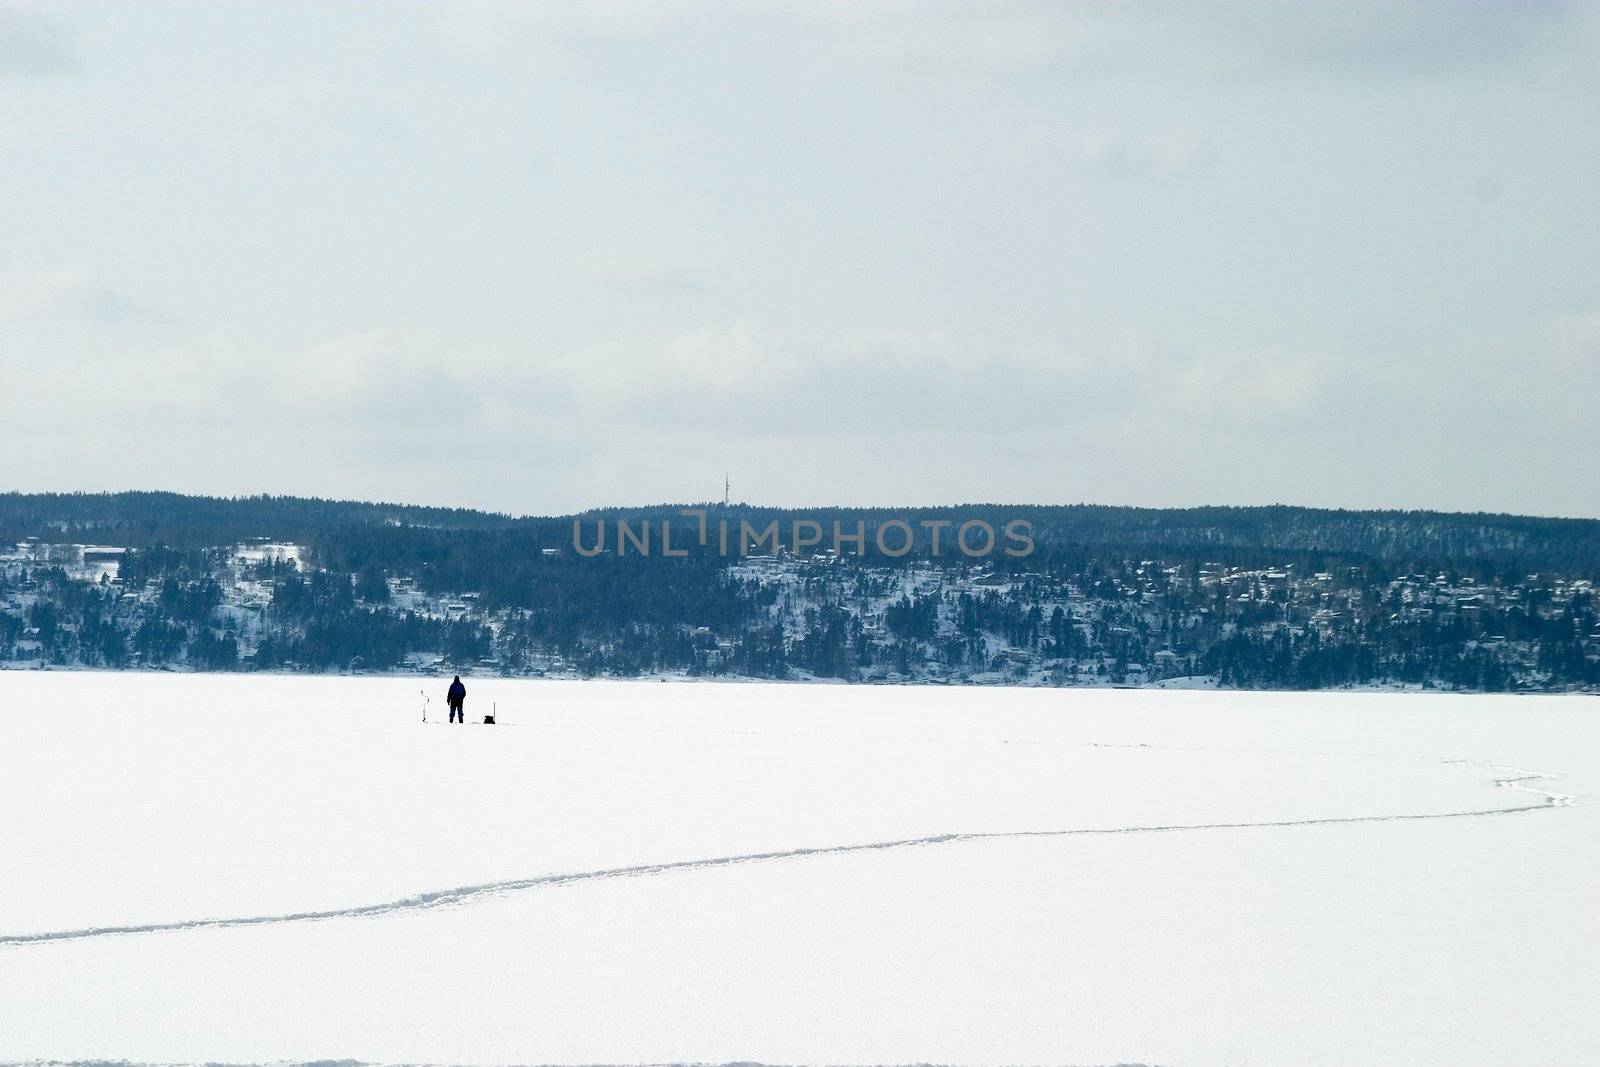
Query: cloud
{"x": 811, "y": 418}
{"x": 1383, "y": 38}
{"x": 62, "y": 296}
{"x": 1211, "y": 38}
{"x": 636, "y": 274}
{"x": 1144, "y": 40}
{"x": 567, "y": 254}
{"x": 32, "y": 45}
{"x": 743, "y": 384}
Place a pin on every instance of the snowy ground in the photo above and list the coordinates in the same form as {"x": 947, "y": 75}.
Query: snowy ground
{"x": 242, "y": 869}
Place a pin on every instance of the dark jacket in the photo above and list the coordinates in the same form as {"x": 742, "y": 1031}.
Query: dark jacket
{"x": 457, "y": 694}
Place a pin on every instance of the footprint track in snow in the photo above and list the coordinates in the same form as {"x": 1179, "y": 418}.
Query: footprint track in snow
{"x": 1516, "y": 780}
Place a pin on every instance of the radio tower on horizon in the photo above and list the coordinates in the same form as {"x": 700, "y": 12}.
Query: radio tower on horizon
{"x": 725, "y": 484}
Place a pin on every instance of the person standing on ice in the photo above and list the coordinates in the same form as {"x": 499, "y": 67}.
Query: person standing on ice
{"x": 457, "y": 698}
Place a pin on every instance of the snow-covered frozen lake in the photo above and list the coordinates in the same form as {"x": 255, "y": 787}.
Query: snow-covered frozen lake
{"x": 229, "y": 868}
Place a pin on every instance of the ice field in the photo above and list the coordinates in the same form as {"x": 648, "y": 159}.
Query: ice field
{"x": 243, "y": 868}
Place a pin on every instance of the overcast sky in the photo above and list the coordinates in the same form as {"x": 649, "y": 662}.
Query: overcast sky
{"x": 544, "y": 258}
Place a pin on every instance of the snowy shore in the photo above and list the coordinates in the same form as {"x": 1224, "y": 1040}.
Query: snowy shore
{"x": 276, "y": 868}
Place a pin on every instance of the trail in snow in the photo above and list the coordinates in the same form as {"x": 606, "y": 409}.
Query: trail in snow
{"x": 459, "y": 894}
{"x": 1552, "y": 800}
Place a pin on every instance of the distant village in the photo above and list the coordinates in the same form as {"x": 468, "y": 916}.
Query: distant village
{"x": 264, "y": 606}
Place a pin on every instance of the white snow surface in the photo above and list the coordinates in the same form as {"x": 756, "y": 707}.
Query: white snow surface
{"x": 244, "y": 869}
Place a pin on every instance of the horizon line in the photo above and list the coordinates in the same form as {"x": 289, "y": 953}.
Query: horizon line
{"x": 748, "y": 506}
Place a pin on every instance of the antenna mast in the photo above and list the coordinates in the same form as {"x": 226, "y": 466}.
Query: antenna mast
{"x": 725, "y": 484}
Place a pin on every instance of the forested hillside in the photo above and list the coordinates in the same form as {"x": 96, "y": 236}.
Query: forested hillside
{"x": 1260, "y": 597}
